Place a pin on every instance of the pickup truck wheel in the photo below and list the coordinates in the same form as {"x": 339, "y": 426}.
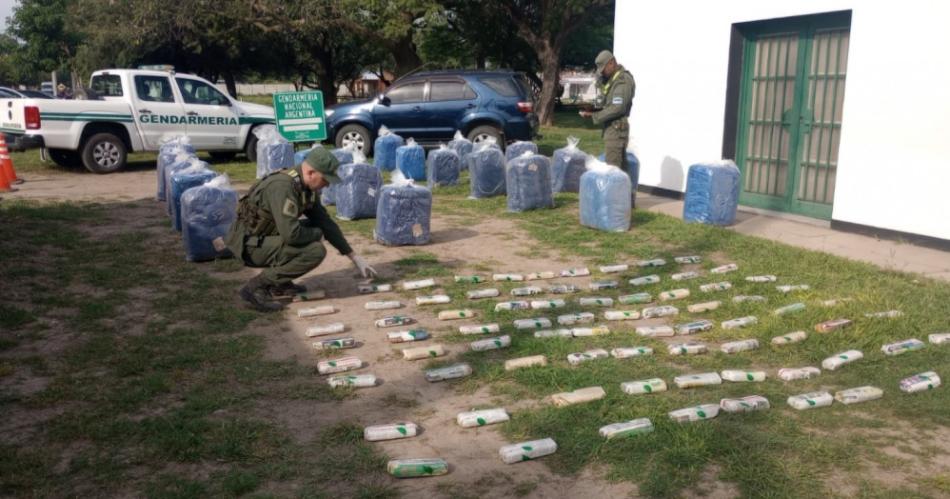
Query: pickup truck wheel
{"x": 65, "y": 158}
{"x": 354, "y": 134}
{"x": 481, "y": 133}
{"x": 104, "y": 153}
{"x": 250, "y": 147}
{"x": 223, "y": 156}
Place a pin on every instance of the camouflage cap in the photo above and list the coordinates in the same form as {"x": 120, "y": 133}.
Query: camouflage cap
{"x": 322, "y": 161}
{"x": 602, "y": 59}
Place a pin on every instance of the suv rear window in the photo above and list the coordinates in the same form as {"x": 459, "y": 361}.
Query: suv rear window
{"x": 107, "y": 85}
{"x": 504, "y": 85}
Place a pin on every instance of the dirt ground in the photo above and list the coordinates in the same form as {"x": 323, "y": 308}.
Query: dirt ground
{"x": 403, "y": 394}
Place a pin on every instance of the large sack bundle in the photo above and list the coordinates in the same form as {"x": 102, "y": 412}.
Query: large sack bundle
{"x": 462, "y": 147}
{"x": 182, "y": 160}
{"x": 344, "y": 156}
{"x": 516, "y": 149}
{"x": 167, "y": 154}
{"x": 528, "y": 182}
{"x": 384, "y": 149}
{"x": 486, "y": 165}
{"x": 567, "y": 166}
{"x": 411, "y": 160}
{"x": 207, "y": 212}
{"x": 633, "y": 169}
{"x": 358, "y": 190}
{"x": 443, "y": 167}
{"x": 273, "y": 151}
{"x": 712, "y": 193}
{"x": 403, "y": 213}
{"x": 182, "y": 180}
{"x": 605, "y": 197}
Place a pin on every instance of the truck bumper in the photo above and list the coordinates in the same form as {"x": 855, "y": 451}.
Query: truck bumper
{"x": 18, "y": 142}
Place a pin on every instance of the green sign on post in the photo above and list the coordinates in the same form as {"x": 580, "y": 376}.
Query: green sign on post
{"x": 300, "y": 116}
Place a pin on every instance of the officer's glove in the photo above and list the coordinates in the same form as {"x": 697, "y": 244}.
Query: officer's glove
{"x": 362, "y": 266}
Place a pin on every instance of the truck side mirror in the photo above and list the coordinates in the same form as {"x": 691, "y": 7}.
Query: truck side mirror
{"x": 384, "y": 100}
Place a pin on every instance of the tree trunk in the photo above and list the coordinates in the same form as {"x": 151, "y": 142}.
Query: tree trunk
{"x": 550, "y": 58}
{"x": 230, "y": 84}
{"x": 404, "y": 53}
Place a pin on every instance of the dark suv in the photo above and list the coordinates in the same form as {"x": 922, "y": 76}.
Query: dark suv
{"x": 430, "y": 106}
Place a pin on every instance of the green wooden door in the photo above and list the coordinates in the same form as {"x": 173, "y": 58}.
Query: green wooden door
{"x": 790, "y": 112}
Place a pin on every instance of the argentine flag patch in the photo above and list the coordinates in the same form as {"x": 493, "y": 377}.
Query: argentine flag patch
{"x": 617, "y": 100}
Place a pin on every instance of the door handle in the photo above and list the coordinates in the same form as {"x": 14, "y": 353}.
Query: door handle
{"x": 145, "y": 111}
{"x": 417, "y": 108}
{"x": 191, "y": 113}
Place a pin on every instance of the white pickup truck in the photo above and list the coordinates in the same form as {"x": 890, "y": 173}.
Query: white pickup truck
{"x": 133, "y": 110}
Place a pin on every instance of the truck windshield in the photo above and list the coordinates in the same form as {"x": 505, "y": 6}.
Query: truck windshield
{"x": 107, "y": 85}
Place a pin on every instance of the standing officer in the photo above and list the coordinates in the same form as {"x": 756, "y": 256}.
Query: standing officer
{"x": 269, "y": 232}
{"x": 617, "y": 87}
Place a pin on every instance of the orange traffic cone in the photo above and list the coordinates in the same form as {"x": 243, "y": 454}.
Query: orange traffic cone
{"x": 6, "y": 164}
{"x": 4, "y": 181}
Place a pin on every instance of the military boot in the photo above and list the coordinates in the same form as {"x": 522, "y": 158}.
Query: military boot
{"x": 287, "y": 290}
{"x": 256, "y": 294}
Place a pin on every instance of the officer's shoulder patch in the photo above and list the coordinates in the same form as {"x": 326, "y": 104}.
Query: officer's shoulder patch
{"x": 290, "y": 208}
{"x": 617, "y": 100}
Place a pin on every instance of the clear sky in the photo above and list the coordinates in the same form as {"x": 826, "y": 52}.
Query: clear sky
{"x": 6, "y": 9}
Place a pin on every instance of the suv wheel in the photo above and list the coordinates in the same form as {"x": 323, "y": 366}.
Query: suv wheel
{"x": 481, "y": 133}
{"x": 354, "y": 134}
{"x": 104, "y": 153}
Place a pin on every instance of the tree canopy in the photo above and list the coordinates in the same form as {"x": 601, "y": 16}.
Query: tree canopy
{"x": 314, "y": 43}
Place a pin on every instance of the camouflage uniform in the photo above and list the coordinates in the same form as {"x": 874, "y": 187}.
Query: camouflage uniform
{"x": 618, "y": 99}
{"x": 269, "y": 232}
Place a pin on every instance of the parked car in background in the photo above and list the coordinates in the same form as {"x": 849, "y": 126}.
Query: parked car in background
{"x": 12, "y": 93}
{"x": 47, "y": 88}
{"x": 430, "y": 106}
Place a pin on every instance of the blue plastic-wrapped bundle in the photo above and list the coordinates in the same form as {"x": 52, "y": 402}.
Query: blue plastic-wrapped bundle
{"x": 403, "y": 213}
{"x": 528, "y": 181}
{"x": 182, "y": 161}
{"x": 516, "y": 149}
{"x": 443, "y": 167}
{"x": 181, "y": 181}
{"x": 462, "y": 147}
{"x": 411, "y": 160}
{"x": 207, "y": 212}
{"x": 273, "y": 151}
{"x": 605, "y": 197}
{"x": 384, "y": 149}
{"x": 567, "y": 166}
{"x": 344, "y": 156}
{"x": 167, "y": 153}
{"x": 633, "y": 168}
{"x": 358, "y": 190}
{"x": 486, "y": 165}
{"x": 712, "y": 193}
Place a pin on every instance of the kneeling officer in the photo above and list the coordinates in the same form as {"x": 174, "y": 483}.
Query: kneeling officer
{"x": 269, "y": 232}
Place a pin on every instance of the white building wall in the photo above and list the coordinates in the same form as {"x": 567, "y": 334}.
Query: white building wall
{"x": 894, "y": 158}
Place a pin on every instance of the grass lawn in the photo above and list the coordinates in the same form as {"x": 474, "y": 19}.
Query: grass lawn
{"x": 766, "y": 454}
{"x": 157, "y": 390}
